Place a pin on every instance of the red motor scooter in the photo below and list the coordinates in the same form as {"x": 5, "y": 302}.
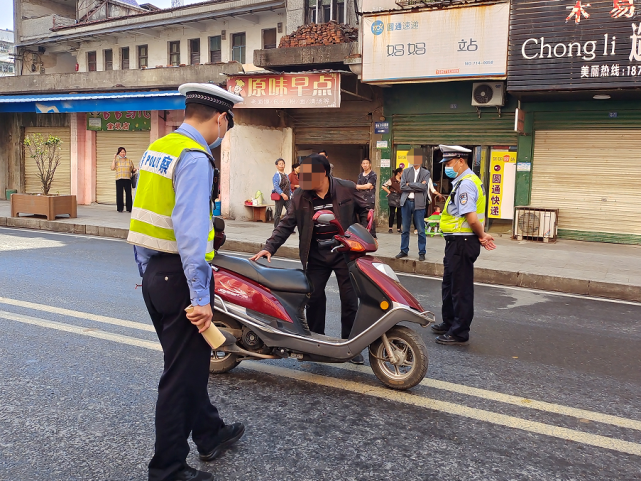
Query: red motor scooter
{"x": 264, "y": 308}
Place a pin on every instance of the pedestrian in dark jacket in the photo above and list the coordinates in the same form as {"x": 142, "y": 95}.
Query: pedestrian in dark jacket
{"x": 320, "y": 191}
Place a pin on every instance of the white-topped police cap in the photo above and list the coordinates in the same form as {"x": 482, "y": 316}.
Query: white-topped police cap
{"x": 209, "y": 94}
{"x": 453, "y": 152}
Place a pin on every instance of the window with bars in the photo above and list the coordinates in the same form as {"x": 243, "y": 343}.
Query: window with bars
{"x": 269, "y": 38}
{"x": 215, "y": 51}
{"x": 194, "y": 51}
{"x": 143, "y": 56}
{"x": 91, "y": 61}
{"x": 238, "y": 47}
{"x": 124, "y": 58}
{"x": 322, "y": 11}
{"x": 109, "y": 59}
{"x": 174, "y": 53}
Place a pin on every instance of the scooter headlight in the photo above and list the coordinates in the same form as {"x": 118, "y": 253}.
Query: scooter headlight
{"x": 387, "y": 270}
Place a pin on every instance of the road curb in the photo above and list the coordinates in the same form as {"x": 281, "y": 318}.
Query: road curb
{"x": 409, "y": 266}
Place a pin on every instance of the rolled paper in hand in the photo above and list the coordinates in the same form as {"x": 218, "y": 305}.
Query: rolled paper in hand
{"x": 212, "y": 334}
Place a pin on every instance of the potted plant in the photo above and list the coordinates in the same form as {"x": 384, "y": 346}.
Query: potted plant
{"x": 45, "y": 152}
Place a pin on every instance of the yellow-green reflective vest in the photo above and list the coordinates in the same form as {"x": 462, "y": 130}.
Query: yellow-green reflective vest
{"x": 458, "y": 225}
{"x": 151, "y": 225}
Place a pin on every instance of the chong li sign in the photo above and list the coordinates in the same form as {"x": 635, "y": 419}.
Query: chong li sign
{"x": 574, "y": 44}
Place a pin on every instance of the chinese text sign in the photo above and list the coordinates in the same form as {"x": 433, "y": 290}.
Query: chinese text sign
{"x": 500, "y": 198}
{"x": 439, "y": 44}
{"x": 294, "y": 91}
{"x": 131, "y": 120}
{"x": 574, "y": 44}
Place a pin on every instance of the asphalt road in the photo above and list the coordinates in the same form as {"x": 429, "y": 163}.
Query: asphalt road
{"x": 547, "y": 389}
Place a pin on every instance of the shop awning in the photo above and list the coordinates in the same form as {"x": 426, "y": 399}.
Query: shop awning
{"x": 93, "y": 102}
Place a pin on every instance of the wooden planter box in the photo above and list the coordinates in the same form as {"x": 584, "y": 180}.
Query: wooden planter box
{"x": 48, "y": 205}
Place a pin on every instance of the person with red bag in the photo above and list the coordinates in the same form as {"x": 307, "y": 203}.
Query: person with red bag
{"x": 282, "y": 190}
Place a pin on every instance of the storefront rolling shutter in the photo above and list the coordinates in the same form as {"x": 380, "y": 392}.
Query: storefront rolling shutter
{"x": 458, "y": 129}
{"x": 591, "y": 176}
{"x": 62, "y": 178}
{"x": 107, "y": 144}
{"x": 331, "y": 127}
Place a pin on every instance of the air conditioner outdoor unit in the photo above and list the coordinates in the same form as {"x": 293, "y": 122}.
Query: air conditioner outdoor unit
{"x": 532, "y": 223}
{"x": 488, "y": 94}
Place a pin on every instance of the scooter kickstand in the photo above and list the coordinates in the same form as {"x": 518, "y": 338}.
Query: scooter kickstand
{"x": 388, "y": 348}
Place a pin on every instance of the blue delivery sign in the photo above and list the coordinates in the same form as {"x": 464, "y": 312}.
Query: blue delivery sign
{"x": 378, "y": 27}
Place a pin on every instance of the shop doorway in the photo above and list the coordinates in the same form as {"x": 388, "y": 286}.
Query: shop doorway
{"x": 346, "y": 159}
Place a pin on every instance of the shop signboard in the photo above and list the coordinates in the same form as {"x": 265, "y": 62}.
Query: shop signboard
{"x": 500, "y": 197}
{"x": 451, "y": 43}
{"x": 572, "y": 45}
{"x": 372, "y": 6}
{"x": 295, "y": 91}
{"x": 401, "y": 158}
{"x": 131, "y": 120}
{"x": 381, "y": 127}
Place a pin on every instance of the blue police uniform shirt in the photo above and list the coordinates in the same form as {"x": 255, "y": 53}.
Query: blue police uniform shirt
{"x": 193, "y": 179}
{"x": 465, "y": 199}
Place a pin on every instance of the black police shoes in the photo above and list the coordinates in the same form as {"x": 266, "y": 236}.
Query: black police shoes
{"x": 191, "y": 474}
{"x": 449, "y": 340}
{"x": 225, "y": 438}
{"x": 440, "y": 328}
{"x": 401, "y": 254}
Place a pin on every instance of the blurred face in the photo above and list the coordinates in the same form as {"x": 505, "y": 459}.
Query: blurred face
{"x": 366, "y": 165}
{"x": 223, "y": 123}
{"x": 281, "y": 165}
{"x": 416, "y": 160}
{"x": 297, "y": 169}
{"x": 123, "y": 153}
{"x": 312, "y": 176}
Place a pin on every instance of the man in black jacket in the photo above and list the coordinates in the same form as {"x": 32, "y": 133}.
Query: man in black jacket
{"x": 320, "y": 191}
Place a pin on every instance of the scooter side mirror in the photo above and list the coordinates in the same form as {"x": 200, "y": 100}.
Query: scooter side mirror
{"x": 327, "y": 217}
{"x": 324, "y": 217}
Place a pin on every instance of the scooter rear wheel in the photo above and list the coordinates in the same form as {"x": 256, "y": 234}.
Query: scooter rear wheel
{"x": 222, "y": 362}
{"x": 411, "y": 356}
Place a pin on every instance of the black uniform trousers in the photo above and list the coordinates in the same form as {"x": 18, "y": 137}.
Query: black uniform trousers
{"x": 318, "y": 274}
{"x": 279, "y": 210}
{"x": 123, "y": 186}
{"x": 458, "y": 283}
{"x": 183, "y": 406}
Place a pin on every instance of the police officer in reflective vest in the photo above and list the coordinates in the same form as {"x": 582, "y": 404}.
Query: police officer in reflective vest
{"x": 172, "y": 232}
{"x": 462, "y": 225}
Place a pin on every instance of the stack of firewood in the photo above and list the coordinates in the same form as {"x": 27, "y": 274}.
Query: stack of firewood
{"x": 329, "y": 33}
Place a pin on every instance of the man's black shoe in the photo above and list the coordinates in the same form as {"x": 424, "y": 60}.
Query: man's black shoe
{"x": 401, "y": 254}
{"x": 449, "y": 340}
{"x": 421, "y": 257}
{"x": 440, "y": 328}
{"x": 358, "y": 359}
{"x": 225, "y": 438}
{"x": 191, "y": 474}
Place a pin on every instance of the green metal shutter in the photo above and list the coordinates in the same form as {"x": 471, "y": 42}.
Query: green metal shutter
{"x": 456, "y": 128}
{"x": 622, "y": 119}
{"x": 331, "y": 127}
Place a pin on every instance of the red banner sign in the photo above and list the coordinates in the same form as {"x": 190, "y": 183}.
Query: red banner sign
{"x": 294, "y": 91}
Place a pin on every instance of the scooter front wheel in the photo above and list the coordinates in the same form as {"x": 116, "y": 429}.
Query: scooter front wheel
{"x": 408, "y": 365}
{"x": 222, "y": 362}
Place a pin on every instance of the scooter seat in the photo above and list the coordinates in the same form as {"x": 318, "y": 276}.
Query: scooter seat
{"x": 287, "y": 280}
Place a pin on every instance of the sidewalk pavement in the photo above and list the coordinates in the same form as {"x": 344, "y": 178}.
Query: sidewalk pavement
{"x": 585, "y": 268}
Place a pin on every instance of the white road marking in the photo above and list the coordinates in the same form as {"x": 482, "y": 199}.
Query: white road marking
{"x": 368, "y": 390}
{"x": 132, "y": 341}
{"x": 514, "y": 400}
{"x": 77, "y": 314}
{"x": 430, "y": 383}
{"x": 403, "y": 274}
{"x": 67, "y": 234}
{"x": 8, "y": 243}
{"x": 450, "y": 408}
